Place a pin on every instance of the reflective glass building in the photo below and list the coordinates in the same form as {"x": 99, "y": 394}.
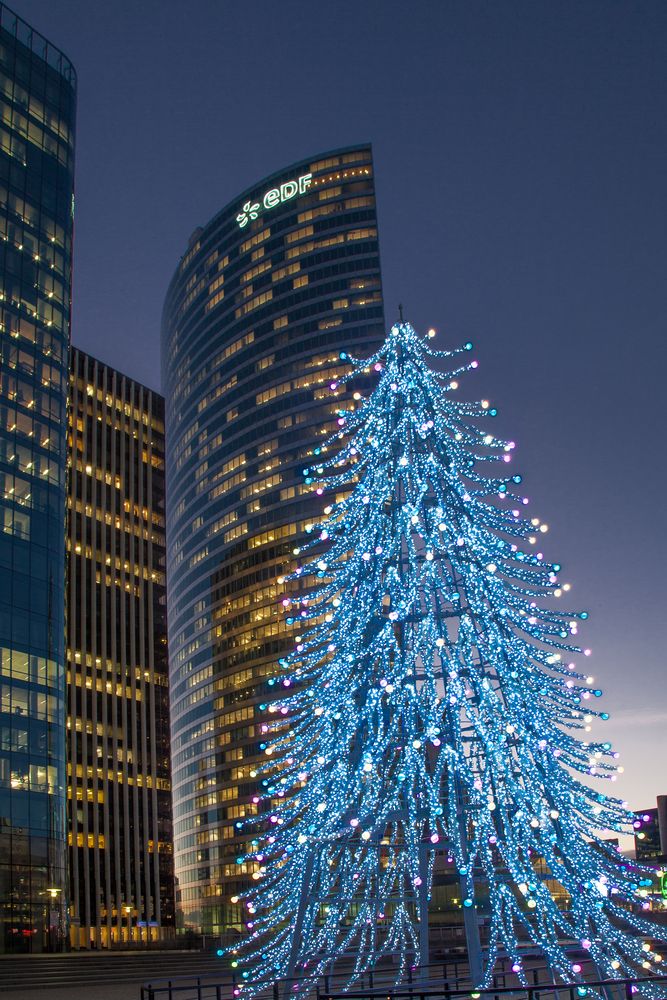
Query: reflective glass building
{"x": 118, "y": 769}
{"x": 37, "y": 101}
{"x": 266, "y": 297}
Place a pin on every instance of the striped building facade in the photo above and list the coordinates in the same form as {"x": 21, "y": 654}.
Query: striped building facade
{"x": 119, "y": 786}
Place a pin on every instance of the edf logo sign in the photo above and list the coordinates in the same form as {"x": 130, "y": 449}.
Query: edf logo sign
{"x": 273, "y": 197}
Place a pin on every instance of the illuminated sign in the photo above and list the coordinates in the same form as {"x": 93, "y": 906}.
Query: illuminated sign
{"x": 273, "y": 197}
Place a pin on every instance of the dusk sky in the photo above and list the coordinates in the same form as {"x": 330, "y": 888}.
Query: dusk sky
{"x": 521, "y": 167}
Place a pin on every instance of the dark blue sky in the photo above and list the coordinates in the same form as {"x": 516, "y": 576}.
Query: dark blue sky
{"x": 521, "y": 162}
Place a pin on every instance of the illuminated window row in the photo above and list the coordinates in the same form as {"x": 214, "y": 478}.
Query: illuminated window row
{"x": 38, "y": 337}
{"x": 38, "y": 246}
{"x": 117, "y": 521}
{"x": 111, "y": 774}
{"x": 135, "y": 569}
{"x": 228, "y": 484}
{"x": 23, "y": 777}
{"x": 215, "y": 798}
{"x": 123, "y": 407}
{"x": 311, "y": 245}
{"x": 233, "y": 463}
{"x": 39, "y": 309}
{"x": 253, "y": 634}
{"x": 266, "y": 447}
{"x": 107, "y": 687}
{"x": 259, "y": 300}
{"x": 234, "y": 533}
{"x": 261, "y": 485}
{"x": 318, "y": 213}
{"x": 89, "y": 840}
{"x": 187, "y": 651}
{"x": 26, "y": 425}
{"x": 29, "y": 460}
{"x": 216, "y": 300}
{"x": 238, "y": 715}
{"x": 32, "y": 704}
{"x": 264, "y": 363}
{"x": 256, "y": 595}
{"x": 216, "y": 393}
{"x": 15, "y": 356}
{"x": 341, "y": 175}
{"x": 23, "y": 392}
{"x": 299, "y": 234}
{"x": 32, "y": 134}
{"x": 201, "y": 675}
{"x": 285, "y": 272}
{"x": 236, "y": 812}
{"x": 295, "y": 491}
{"x": 91, "y": 795}
{"x": 29, "y": 103}
{"x": 255, "y": 240}
{"x": 28, "y": 667}
{"x": 222, "y": 522}
{"x": 274, "y": 534}
{"x": 328, "y": 241}
{"x": 198, "y": 556}
{"x": 256, "y": 271}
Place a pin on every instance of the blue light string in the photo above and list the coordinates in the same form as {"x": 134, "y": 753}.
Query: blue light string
{"x": 433, "y": 671}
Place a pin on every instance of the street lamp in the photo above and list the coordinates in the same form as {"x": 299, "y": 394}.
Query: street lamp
{"x": 52, "y": 892}
{"x": 127, "y": 910}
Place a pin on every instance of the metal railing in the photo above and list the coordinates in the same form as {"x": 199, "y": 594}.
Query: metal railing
{"x": 211, "y": 988}
{"x": 176, "y": 989}
{"x": 610, "y": 989}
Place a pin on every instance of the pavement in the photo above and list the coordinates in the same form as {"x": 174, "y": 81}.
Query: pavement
{"x": 111, "y": 976}
{"x": 100, "y": 991}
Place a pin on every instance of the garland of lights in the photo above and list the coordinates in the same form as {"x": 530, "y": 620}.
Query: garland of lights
{"x": 433, "y": 675}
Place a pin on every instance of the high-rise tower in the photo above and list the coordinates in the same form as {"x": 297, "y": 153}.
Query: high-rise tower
{"x": 266, "y": 297}
{"x": 119, "y": 790}
{"x": 37, "y": 100}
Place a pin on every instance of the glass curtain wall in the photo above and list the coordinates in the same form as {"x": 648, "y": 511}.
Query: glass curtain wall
{"x": 266, "y": 297}
{"x": 37, "y": 106}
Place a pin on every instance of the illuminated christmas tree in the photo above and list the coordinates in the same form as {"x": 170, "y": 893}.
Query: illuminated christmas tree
{"x": 432, "y": 703}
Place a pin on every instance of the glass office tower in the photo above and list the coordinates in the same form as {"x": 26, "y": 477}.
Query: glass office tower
{"x": 119, "y": 790}
{"x": 37, "y": 97}
{"x": 268, "y": 294}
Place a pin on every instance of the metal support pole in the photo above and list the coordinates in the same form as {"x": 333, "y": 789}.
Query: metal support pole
{"x": 423, "y": 913}
{"x": 470, "y": 922}
{"x": 304, "y": 898}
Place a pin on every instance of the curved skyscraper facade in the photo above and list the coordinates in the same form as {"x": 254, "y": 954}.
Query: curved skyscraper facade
{"x": 266, "y": 297}
{"x": 37, "y": 101}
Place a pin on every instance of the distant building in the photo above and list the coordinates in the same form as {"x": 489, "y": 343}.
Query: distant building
{"x": 121, "y": 862}
{"x": 37, "y": 110}
{"x": 651, "y": 833}
{"x": 267, "y": 295}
